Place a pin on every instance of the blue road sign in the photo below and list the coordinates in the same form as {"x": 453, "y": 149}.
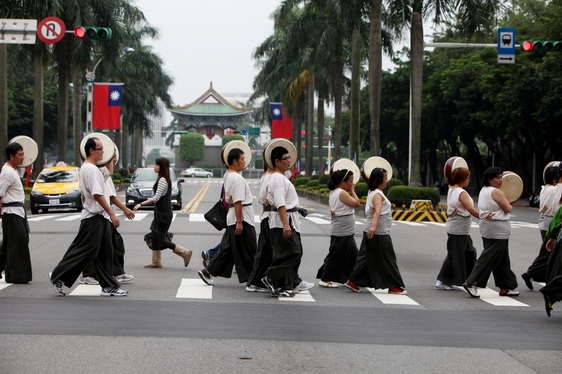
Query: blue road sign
{"x": 243, "y": 131}
{"x": 506, "y": 45}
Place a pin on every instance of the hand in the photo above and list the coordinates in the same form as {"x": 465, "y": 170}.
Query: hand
{"x": 114, "y": 220}
{"x": 371, "y": 232}
{"x": 550, "y": 244}
{"x": 136, "y": 207}
{"x": 287, "y": 230}
{"x": 129, "y": 214}
{"x": 239, "y": 228}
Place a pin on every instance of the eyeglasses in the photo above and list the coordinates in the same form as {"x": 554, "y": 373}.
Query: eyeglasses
{"x": 286, "y": 158}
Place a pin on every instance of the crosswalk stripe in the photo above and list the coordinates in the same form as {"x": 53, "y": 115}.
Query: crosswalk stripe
{"x": 387, "y": 298}
{"x": 138, "y": 217}
{"x": 196, "y": 217}
{"x": 73, "y": 217}
{"x": 304, "y": 296}
{"x": 194, "y": 289}
{"x": 3, "y": 284}
{"x": 493, "y": 297}
{"x": 86, "y": 290}
{"x": 38, "y": 218}
{"x": 318, "y": 221}
{"x": 411, "y": 223}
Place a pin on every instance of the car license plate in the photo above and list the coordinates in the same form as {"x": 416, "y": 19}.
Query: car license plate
{"x": 54, "y": 202}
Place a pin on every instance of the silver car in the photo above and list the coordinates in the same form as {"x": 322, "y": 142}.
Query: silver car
{"x": 196, "y": 172}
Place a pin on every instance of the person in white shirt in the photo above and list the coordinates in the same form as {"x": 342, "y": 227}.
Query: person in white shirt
{"x": 15, "y": 259}
{"x": 495, "y": 229}
{"x": 550, "y": 201}
{"x": 342, "y": 254}
{"x": 93, "y": 241}
{"x": 238, "y": 244}
{"x": 376, "y": 264}
{"x": 282, "y": 277}
{"x": 461, "y": 254}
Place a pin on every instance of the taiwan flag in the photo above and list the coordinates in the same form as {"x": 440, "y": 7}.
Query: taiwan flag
{"x": 106, "y": 112}
{"x": 281, "y": 123}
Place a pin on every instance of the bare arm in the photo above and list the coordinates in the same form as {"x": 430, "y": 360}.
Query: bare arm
{"x": 465, "y": 202}
{"x": 101, "y": 200}
{"x": 282, "y": 211}
{"x": 377, "y": 204}
{"x": 128, "y": 212}
{"x": 501, "y": 200}
{"x": 239, "y": 217}
{"x": 350, "y": 199}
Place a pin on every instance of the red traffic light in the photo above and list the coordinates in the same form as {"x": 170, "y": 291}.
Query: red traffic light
{"x": 527, "y": 46}
{"x": 79, "y": 32}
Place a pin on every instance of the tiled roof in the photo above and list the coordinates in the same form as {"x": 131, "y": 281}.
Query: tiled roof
{"x": 211, "y": 103}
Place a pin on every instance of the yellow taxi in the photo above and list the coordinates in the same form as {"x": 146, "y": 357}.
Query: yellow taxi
{"x": 57, "y": 187}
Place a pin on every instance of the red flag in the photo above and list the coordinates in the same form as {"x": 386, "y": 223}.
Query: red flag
{"x": 106, "y": 113}
{"x": 281, "y": 123}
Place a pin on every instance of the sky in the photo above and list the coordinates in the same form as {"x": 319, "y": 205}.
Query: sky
{"x": 208, "y": 41}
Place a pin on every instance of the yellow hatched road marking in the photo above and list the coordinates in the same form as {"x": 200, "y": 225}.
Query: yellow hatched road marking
{"x": 192, "y": 205}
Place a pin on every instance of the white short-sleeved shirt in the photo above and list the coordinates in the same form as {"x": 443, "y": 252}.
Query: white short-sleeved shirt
{"x": 237, "y": 189}
{"x": 11, "y": 190}
{"x": 262, "y": 197}
{"x": 281, "y": 192}
{"x": 91, "y": 183}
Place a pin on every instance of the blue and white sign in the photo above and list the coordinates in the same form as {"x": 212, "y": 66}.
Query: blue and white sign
{"x": 506, "y": 46}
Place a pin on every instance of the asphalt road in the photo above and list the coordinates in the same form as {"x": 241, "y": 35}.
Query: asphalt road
{"x": 172, "y": 323}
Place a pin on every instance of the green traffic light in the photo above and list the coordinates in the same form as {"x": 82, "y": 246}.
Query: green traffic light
{"x": 541, "y": 45}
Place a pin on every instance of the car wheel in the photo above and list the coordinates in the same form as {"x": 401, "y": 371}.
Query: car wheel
{"x": 34, "y": 210}
{"x": 45, "y": 210}
{"x": 192, "y": 175}
{"x": 208, "y": 175}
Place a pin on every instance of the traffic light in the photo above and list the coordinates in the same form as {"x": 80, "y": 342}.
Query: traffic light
{"x": 541, "y": 45}
{"x": 91, "y": 32}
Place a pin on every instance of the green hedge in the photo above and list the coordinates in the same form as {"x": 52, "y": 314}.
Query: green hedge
{"x": 312, "y": 183}
{"x": 361, "y": 189}
{"x": 391, "y": 183}
{"x": 323, "y": 179}
{"x": 403, "y": 195}
{"x": 300, "y": 181}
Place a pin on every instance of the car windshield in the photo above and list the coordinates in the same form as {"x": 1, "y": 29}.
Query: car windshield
{"x": 56, "y": 176}
{"x": 148, "y": 175}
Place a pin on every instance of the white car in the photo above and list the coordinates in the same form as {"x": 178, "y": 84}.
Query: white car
{"x": 196, "y": 172}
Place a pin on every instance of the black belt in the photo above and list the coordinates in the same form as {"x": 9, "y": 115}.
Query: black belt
{"x": 232, "y": 205}
{"x": 303, "y": 212}
{"x": 14, "y": 203}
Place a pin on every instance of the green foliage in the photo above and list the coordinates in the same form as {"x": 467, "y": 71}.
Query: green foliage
{"x": 258, "y": 163}
{"x": 192, "y": 147}
{"x": 403, "y": 195}
{"x": 391, "y": 183}
{"x": 361, "y": 189}
{"x": 229, "y": 137}
{"x": 315, "y": 177}
{"x": 323, "y": 179}
{"x": 312, "y": 183}
{"x": 116, "y": 177}
{"x": 300, "y": 181}
{"x": 124, "y": 172}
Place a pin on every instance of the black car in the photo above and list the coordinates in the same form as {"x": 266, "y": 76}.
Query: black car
{"x": 140, "y": 187}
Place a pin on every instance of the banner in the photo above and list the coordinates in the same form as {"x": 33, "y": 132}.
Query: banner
{"x": 106, "y": 111}
{"x": 281, "y": 123}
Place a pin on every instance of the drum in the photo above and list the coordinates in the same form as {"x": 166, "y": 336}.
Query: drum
{"x": 30, "y": 149}
{"x": 345, "y": 163}
{"x": 279, "y": 142}
{"x": 375, "y": 162}
{"x": 236, "y": 144}
{"x": 452, "y": 164}
{"x": 108, "y": 147}
{"x": 512, "y": 186}
{"x": 548, "y": 166}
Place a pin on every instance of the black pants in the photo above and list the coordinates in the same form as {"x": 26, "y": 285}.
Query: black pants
{"x": 494, "y": 259}
{"x": 118, "y": 257}
{"x": 287, "y": 255}
{"x": 15, "y": 259}
{"x": 264, "y": 255}
{"x": 92, "y": 244}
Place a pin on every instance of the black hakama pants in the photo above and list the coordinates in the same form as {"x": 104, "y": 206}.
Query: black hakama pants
{"x": 118, "y": 256}
{"x": 263, "y": 257}
{"x": 340, "y": 261}
{"x": 537, "y": 270}
{"x": 376, "y": 265}
{"x": 236, "y": 250}
{"x": 461, "y": 256}
{"x": 554, "y": 266}
{"x": 553, "y": 289}
{"x": 92, "y": 244}
{"x": 15, "y": 259}
{"x": 287, "y": 255}
{"x": 494, "y": 259}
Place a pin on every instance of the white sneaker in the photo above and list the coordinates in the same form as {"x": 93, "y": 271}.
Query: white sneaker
{"x": 304, "y": 285}
{"x": 253, "y": 288}
{"x": 88, "y": 280}
{"x": 110, "y": 291}
{"x": 124, "y": 278}
{"x": 442, "y": 286}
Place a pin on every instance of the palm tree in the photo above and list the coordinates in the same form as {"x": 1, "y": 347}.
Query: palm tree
{"x": 471, "y": 15}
